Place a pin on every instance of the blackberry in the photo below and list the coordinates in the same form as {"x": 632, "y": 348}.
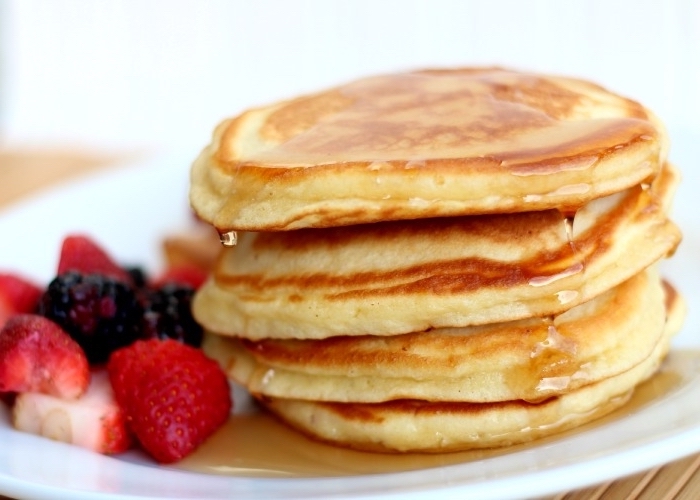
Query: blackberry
{"x": 167, "y": 314}
{"x": 102, "y": 314}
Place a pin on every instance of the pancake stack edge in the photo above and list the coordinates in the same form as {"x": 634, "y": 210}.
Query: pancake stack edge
{"x": 440, "y": 260}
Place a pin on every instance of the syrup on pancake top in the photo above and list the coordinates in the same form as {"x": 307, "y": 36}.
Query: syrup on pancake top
{"x": 424, "y": 144}
{"x": 440, "y": 260}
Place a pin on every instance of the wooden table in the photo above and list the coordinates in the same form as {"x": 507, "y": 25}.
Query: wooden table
{"x": 25, "y": 171}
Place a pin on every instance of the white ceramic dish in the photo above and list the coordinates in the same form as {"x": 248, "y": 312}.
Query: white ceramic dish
{"x": 131, "y": 208}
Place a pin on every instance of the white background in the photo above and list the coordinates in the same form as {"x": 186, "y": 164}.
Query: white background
{"x": 162, "y": 73}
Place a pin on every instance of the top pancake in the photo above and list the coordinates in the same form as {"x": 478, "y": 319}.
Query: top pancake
{"x": 424, "y": 144}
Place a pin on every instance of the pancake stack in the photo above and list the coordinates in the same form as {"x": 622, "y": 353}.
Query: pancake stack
{"x": 440, "y": 260}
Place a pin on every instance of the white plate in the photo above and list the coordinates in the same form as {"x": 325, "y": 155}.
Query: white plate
{"x": 130, "y": 209}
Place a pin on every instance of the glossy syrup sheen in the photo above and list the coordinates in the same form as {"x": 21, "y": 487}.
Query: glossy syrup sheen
{"x": 512, "y": 119}
{"x": 256, "y": 445}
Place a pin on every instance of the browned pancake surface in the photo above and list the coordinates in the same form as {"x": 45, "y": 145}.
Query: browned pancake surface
{"x": 529, "y": 359}
{"x": 425, "y": 144}
{"x": 414, "y": 425}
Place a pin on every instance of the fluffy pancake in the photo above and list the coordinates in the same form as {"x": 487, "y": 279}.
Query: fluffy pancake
{"x": 414, "y": 425}
{"x": 408, "y": 276}
{"x": 440, "y": 260}
{"x": 424, "y": 144}
{"x": 530, "y": 359}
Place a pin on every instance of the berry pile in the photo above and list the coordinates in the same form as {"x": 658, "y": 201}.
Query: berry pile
{"x": 101, "y": 313}
{"x": 104, "y": 306}
{"x": 109, "y": 350}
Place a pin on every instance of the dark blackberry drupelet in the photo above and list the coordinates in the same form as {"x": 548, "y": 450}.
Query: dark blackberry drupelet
{"x": 139, "y": 277}
{"x": 167, "y": 314}
{"x": 102, "y": 314}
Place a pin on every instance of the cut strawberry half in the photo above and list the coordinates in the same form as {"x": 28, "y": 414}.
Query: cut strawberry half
{"x": 82, "y": 254}
{"x": 94, "y": 421}
{"x": 36, "y": 355}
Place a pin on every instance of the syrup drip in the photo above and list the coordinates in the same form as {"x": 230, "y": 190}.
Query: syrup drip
{"x": 576, "y": 266}
{"x": 569, "y": 229}
{"x": 229, "y": 239}
{"x": 555, "y": 341}
{"x": 256, "y": 445}
{"x": 553, "y": 362}
{"x": 566, "y": 296}
{"x": 568, "y": 190}
{"x": 568, "y": 216}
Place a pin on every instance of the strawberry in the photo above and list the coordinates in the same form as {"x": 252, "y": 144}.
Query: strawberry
{"x": 126, "y": 367}
{"x": 7, "y": 309}
{"x": 94, "y": 421}
{"x": 174, "y": 397}
{"x": 36, "y": 355}
{"x": 17, "y": 295}
{"x": 182, "y": 274}
{"x": 80, "y": 253}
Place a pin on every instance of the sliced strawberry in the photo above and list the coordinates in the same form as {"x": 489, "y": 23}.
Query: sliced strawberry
{"x": 80, "y": 253}
{"x": 174, "y": 396}
{"x": 94, "y": 421}
{"x": 189, "y": 275}
{"x": 36, "y": 355}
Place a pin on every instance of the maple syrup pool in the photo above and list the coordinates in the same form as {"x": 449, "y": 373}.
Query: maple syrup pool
{"x": 257, "y": 445}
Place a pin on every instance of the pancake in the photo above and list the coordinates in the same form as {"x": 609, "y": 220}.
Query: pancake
{"x": 439, "y": 260}
{"x": 530, "y": 359}
{"x": 421, "y": 426}
{"x": 423, "y": 144}
{"x": 408, "y": 276}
